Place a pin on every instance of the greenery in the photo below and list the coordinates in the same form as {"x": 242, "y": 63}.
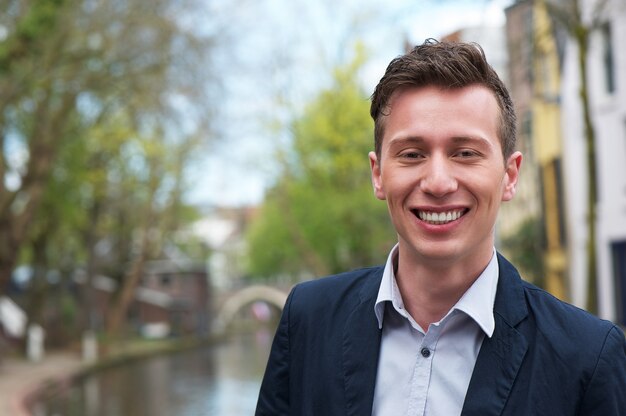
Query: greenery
{"x": 525, "y": 249}
{"x": 321, "y": 216}
{"x": 96, "y": 134}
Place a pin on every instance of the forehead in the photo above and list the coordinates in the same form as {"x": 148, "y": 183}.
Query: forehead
{"x": 474, "y": 92}
{"x": 434, "y": 111}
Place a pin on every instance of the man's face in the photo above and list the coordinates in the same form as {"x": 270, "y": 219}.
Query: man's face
{"x": 442, "y": 173}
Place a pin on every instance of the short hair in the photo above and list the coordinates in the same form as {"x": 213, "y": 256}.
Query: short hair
{"x": 448, "y": 65}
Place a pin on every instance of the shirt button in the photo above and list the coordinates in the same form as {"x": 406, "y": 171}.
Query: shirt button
{"x": 425, "y": 352}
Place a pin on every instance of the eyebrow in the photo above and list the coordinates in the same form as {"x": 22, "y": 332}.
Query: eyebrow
{"x": 455, "y": 139}
{"x": 472, "y": 139}
{"x": 406, "y": 139}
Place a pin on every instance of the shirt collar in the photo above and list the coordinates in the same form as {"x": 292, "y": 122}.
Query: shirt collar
{"x": 387, "y": 287}
{"x": 472, "y": 303}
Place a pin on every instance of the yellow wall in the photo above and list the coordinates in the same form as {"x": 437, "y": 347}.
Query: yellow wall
{"x": 548, "y": 144}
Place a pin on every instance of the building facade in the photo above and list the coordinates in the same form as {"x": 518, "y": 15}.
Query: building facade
{"x": 525, "y": 215}
{"x": 606, "y": 63}
{"x": 548, "y": 146}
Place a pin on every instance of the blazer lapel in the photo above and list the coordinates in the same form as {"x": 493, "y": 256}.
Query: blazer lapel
{"x": 500, "y": 356}
{"x": 361, "y": 343}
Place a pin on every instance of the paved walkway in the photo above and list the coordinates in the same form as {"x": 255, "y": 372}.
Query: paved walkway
{"x": 19, "y": 377}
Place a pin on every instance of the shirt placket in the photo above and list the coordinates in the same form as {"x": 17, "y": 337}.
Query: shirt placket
{"x": 422, "y": 372}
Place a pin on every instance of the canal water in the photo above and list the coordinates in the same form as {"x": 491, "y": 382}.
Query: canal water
{"x": 222, "y": 380}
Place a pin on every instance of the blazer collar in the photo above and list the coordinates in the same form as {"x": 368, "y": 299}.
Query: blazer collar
{"x": 361, "y": 343}
{"x": 500, "y": 356}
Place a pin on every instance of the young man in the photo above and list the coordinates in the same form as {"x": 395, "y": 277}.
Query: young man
{"x": 446, "y": 327}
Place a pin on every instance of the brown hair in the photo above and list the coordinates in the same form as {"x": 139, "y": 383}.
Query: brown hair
{"x": 446, "y": 65}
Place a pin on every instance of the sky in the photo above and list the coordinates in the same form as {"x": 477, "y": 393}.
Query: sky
{"x": 281, "y": 52}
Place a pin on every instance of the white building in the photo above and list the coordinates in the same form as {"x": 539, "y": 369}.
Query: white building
{"x": 607, "y": 85}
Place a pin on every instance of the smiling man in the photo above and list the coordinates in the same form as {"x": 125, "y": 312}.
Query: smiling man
{"x": 441, "y": 170}
{"x": 447, "y": 326}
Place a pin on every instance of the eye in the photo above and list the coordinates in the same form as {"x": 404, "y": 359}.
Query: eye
{"x": 411, "y": 155}
{"x": 466, "y": 153}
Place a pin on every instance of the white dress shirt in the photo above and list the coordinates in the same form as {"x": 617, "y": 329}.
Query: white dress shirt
{"x": 428, "y": 373}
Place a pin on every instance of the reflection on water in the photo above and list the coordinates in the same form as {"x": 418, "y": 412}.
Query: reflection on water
{"x": 223, "y": 380}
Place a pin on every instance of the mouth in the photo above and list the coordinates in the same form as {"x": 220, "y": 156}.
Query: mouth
{"x": 439, "y": 218}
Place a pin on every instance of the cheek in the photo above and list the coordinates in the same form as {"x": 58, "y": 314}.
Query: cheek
{"x": 491, "y": 192}
{"x": 399, "y": 186}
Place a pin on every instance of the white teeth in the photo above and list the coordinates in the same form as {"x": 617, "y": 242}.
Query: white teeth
{"x": 441, "y": 217}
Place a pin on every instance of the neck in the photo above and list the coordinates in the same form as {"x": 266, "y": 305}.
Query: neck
{"x": 430, "y": 289}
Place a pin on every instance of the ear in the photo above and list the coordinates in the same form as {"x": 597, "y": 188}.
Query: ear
{"x": 376, "y": 176}
{"x": 511, "y": 175}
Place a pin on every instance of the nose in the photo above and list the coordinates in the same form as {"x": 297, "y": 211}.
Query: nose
{"x": 438, "y": 179}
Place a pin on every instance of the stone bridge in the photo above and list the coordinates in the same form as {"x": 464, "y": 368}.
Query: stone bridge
{"x": 246, "y": 296}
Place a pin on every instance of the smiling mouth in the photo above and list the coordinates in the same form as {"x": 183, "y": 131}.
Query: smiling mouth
{"x": 439, "y": 218}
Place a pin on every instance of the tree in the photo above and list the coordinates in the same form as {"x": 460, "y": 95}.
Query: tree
{"x": 568, "y": 14}
{"x": 156, "y": 203}
{"x": 52, "y": 243}
{"x": 321, "y": 216}
{"x": 68, "y": 66}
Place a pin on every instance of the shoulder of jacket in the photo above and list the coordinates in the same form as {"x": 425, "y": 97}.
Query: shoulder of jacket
{"x": 342, "y": 279}
{"x": 557, "y": 315}
{"x": 337, "y": 288}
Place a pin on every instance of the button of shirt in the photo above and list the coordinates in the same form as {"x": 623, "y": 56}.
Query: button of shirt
{"x": 425, "y": 352}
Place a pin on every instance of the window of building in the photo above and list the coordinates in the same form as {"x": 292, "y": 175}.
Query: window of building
{"x": 608, "y": 60}
{"x": 619, "y": 272}
{"x": 560, "y": 197}
{"x": 526, "y": 45}
{"x": 166, "y": 280}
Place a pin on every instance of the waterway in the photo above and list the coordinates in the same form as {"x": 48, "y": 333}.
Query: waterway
{"x": 222, "y": 380}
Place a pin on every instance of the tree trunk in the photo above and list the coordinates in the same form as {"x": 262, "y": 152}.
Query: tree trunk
{"x": 38, "y": 287}
{"x": 89, "y": 291}
{"x": 43, "y": 150}
{"x": 582, "y": 41}
{"x": 8, "y": 252}
{"x": 119, "y": 310}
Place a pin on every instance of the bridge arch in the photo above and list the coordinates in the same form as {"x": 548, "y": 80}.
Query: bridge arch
{"x": 244, "y": 297}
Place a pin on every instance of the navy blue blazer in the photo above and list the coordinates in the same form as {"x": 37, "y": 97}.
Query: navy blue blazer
{"x": 545, "y": 357}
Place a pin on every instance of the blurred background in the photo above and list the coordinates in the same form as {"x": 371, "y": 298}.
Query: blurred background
{"x": 171, "y": 168}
